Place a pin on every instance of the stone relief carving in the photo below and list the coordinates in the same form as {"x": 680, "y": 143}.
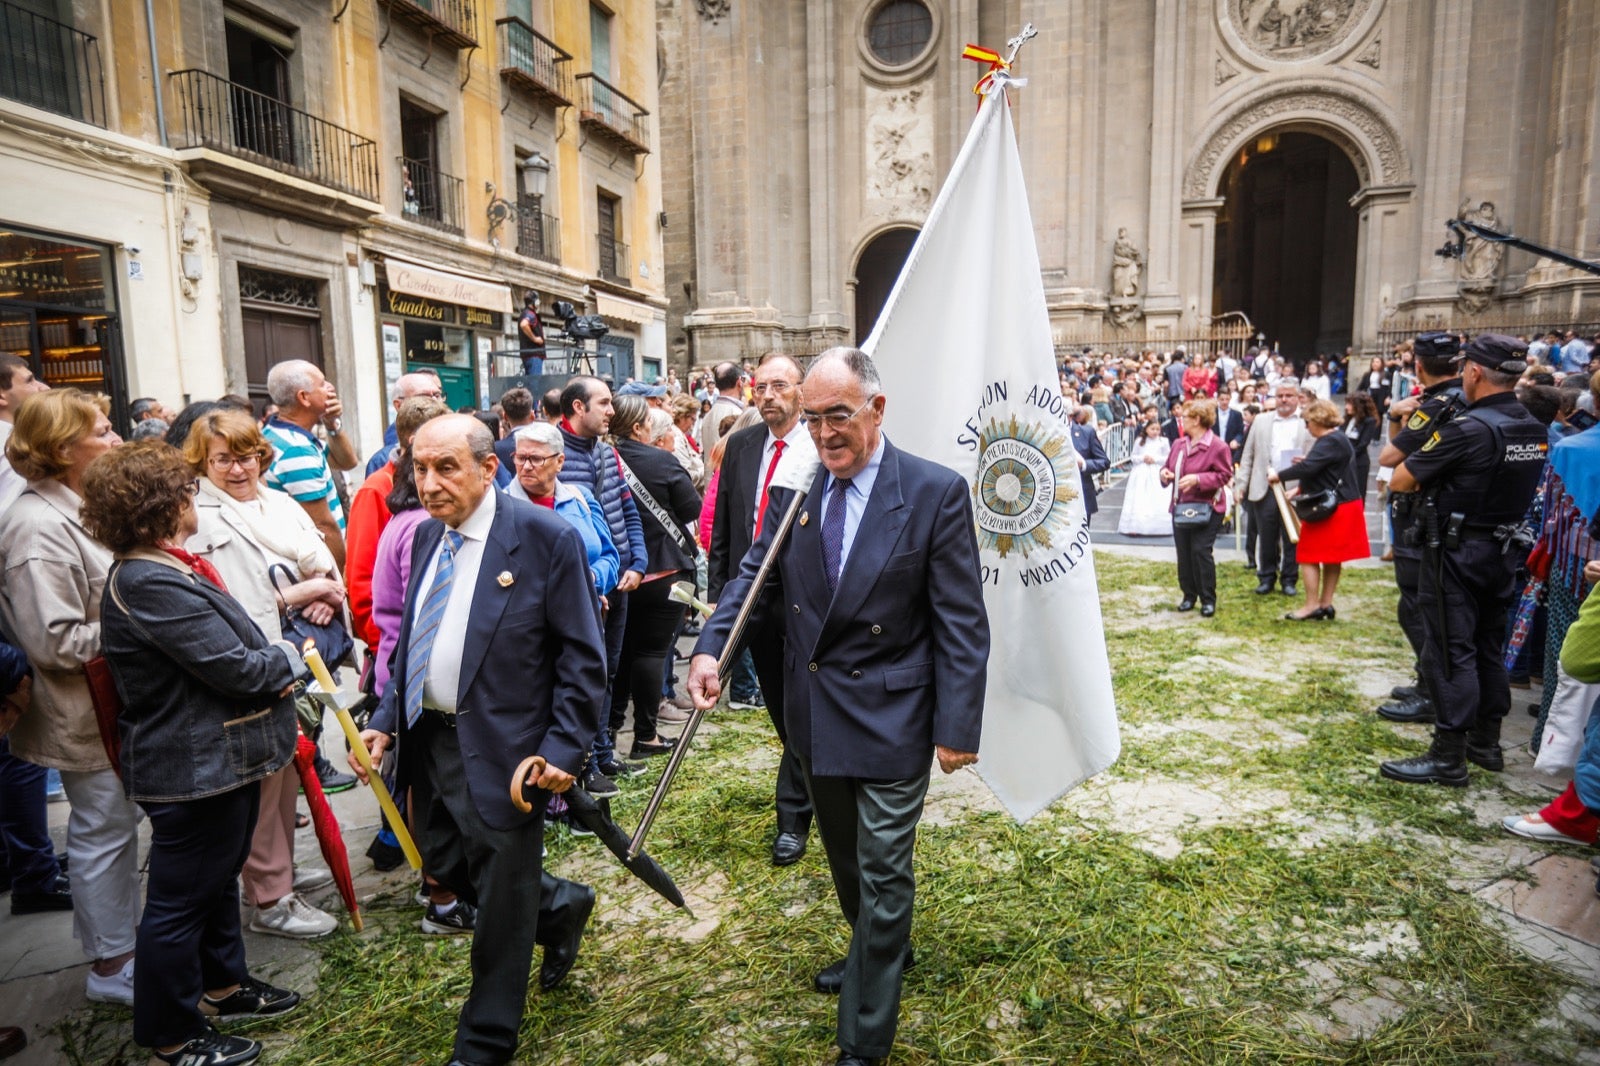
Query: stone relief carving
{"x": 900, "y": 150}
{"x": 1295, "y": 29}
{"x": 1127, "y": 270}
{"x": 1372, "y": 54}
{"x": 713, "y": 11}
{"x": 1480, "y": 259}
{"x": 1331, "y": 102}
{"x": 1223, "y": 71}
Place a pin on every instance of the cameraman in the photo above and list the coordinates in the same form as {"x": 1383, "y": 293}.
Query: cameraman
{"x": 530, "y": 331}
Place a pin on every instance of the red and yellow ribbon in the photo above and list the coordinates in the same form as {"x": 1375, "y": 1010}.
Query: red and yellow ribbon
{"x": 989, "y": 56}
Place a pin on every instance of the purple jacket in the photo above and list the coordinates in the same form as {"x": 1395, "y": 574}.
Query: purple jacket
{"x": 1211, "y": 460}
{"x": 390, "y": 573}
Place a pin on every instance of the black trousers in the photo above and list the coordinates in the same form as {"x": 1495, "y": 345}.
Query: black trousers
{"x": 869, "y": 831}
{"x": 26, "y": 853}
{"x": 189, "y": 939}
{"x": 1407, "y": 575}
{"x": 1464, "y": 608}
{"x": 791, "y": 797}
{"x": 1274, "y": 551}
{"x": 652, "y": 620}
{"x": 616, "y": 629}
{"x": 501, "y": 870}
{"x": 1197, "y": 566}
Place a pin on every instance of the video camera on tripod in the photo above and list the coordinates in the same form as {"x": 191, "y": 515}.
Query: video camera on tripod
{"x": 579, "y": 327}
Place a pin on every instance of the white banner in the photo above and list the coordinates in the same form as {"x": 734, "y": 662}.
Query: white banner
{"x": 965, "y": 351}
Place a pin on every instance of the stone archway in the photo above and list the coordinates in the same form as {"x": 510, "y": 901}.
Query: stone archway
{"x": 877, "y": 269}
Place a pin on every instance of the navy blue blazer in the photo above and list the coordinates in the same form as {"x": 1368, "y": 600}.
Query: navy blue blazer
{"x": 1087, "y": 443}
{"x": 533, "y": 660}
{"x": 1230, "y": 427}
{"x": 896, "y": 661}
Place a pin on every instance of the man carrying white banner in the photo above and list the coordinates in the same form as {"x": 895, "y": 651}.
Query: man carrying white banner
{"x": 990, "y": 407}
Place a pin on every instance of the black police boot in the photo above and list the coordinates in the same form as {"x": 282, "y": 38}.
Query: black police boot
{"x": 1417, "y": 709}
{"x": 1444, "y": 764}
{"x": 1405, "y": 692}
{"x": 1483, "y": 744}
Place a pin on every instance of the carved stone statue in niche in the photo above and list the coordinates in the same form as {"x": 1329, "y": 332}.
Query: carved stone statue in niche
{"x": 1294, "y": 29}
{"x": 1480, "y": 259}
{"x": 1127, "y": 269}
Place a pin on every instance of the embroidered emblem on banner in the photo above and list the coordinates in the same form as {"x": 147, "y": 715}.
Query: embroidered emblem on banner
{"x": 1024, "y": 482}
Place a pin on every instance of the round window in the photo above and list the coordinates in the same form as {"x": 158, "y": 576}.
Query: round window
{"x": 899, "y": 31}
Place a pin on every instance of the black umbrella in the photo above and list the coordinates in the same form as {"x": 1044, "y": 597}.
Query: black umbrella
{"x": 588, "y": 810}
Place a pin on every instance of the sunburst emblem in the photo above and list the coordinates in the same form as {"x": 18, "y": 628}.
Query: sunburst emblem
{"x": 1024, "y": 482}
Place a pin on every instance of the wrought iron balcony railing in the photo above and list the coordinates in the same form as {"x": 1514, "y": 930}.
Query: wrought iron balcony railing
{"x": 613, "y": 260}
{"x": 538, "y": 234}
{"x": 50, "y": 65}
{"x": 241, "y": 122}
{"x": 430, "y": 196}
{"x": 606, "y": 111}
{"x": 533, "y": 62}
{"x": 454, "y": 22}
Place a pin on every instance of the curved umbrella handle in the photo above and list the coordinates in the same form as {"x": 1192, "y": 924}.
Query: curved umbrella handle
{"x": 531, "y": 765}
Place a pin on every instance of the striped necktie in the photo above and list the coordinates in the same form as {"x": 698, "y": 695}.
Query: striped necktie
{"x": 426, "y": 628}
{"x": 833, "y": 531}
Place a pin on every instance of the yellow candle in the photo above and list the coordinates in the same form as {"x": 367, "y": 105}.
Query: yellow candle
{"x": 352, "y": 736}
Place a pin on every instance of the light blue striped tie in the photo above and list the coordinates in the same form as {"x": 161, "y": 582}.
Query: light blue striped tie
{"x": 426, "y": 627}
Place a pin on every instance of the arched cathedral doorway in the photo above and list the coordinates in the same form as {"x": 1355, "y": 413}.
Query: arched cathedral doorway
{"x": 876, "y": 272}
{"x": 1286, "y": 242}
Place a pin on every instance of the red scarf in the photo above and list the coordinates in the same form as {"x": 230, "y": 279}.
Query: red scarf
{"x": 200, "y": 566}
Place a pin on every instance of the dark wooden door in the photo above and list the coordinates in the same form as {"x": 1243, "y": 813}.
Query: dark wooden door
{"x": 270, "y": 337}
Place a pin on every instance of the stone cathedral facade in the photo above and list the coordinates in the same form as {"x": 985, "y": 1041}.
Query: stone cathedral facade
{"x": 1190, "y": 163}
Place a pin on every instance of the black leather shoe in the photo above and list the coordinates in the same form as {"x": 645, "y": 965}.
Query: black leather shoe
{"x": 12, "y": 1040}
{"x": 53, "y": 897}
{"x": 830, "y": 980}
{"x": 1443, "y": 764}
{"x": 1265, "y": 587}
{"x": 1405, "y": 692}
{"x": 1207, "y": 610}
{"x": 1290, "y": 589}
{"x": 559, "y": 957}
{"x": 846, "y": 1058}
{"x": 1186, "y": 605}
{"x": 1483, "y": 745}
{"x": 1418, "y": 709}
{"x": 787, "y": 849}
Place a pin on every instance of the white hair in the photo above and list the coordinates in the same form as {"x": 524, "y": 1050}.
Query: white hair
{"x": 658, "y": 423}
{"x": 544, "y": 433}
{"x": 286, "y": 381}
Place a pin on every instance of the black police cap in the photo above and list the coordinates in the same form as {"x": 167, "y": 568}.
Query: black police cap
{"x": 1437, "y": 346}
{"x": 1498, "y": 352}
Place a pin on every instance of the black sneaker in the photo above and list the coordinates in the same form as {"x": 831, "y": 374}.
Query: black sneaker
{"x": 460, "y": 918}
{"x": 211, "y": 1048}
{"x": 616, "y": 768}
{"x": 600, "y": 785}
{"x": 333, "y": 780}
{"x": 254, "y": 999}
{"x": 385, "y": 856}
{"x": 575, "y": 827}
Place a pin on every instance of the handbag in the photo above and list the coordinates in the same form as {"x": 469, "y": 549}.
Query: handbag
{"x": 333, "y": 640}
{"x": 1193, "y": 515}
{"x": 1316, "y": 506}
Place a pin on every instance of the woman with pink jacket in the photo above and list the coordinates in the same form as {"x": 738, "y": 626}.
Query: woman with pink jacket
{"x": 1201, "y": 466}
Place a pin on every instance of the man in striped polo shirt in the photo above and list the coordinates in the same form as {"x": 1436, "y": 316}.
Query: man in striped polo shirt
{"x": 301, "y": 466}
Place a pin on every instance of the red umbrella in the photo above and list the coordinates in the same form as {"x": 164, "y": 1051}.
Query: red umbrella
{"x": 327, "y": 827}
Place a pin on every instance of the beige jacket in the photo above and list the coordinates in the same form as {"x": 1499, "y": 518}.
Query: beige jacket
{"x": 1257, "y": 455}
{"x": 52, "y": 574}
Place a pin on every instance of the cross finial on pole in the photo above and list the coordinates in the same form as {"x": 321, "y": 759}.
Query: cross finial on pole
{"x": 1015, "y": 44}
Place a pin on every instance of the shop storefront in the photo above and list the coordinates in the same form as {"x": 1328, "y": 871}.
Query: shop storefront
{"x": 445, "y": 322}
{"x": 58, "y": 310}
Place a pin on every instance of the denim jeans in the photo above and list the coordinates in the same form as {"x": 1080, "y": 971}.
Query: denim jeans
{"x": 742, "y": 684}
{"x": 26, "y": 853}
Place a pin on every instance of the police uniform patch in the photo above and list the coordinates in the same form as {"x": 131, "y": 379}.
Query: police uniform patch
{"x": 1418, "y": 420}
{"x": 1428, "y": 447}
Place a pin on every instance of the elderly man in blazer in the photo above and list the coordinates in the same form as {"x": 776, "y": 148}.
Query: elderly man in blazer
{"x": 1276, "y": 437}
{"x": 1092, "y": 458}
{"x": 885, "y": 661}
{"x": 751, "y": 459}
{"x": 500, "y": 656}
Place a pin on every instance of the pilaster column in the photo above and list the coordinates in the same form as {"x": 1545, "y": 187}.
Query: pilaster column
{"x": 1198, "y": 257}
{"x": 1383, "y": 250}
{"x": 1163, "y": 302}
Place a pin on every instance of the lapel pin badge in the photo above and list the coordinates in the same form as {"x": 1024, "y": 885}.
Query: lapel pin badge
{"x": 505, "y": 579}
{"x": 805, "y": 517}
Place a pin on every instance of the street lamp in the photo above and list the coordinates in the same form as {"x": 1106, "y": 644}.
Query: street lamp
{"x": 535, "y": 171}
{"x": 535, "y": 174}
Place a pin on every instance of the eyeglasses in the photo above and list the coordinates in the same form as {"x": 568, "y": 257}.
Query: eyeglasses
{"x": 834, "y": 419}
{"x": 777, "y": 388}
{"x": 533, "y": 460}
{"x": 219, "y": 463}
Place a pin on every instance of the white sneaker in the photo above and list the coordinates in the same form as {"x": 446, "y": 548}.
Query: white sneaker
{"x": 293, "y": 917}
{"x": 118, "y": 988}
{"x": 1521, "y": 825}
{"x": 311, "y": 878}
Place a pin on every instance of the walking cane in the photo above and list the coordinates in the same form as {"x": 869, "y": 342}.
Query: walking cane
{"x": 797, "y": 477}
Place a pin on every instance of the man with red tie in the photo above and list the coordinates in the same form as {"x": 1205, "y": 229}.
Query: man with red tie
{"x": 750, "y": 459}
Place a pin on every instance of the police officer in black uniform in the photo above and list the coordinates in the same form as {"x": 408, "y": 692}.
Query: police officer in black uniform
{"x": 1477, "y": 476}
{"x": 1413, "y": 420}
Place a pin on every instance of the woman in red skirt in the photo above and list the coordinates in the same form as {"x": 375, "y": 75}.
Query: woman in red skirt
{"x": 1326, "y": 545}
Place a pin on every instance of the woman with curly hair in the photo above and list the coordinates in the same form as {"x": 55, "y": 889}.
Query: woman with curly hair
{"x": 208, "y": 714}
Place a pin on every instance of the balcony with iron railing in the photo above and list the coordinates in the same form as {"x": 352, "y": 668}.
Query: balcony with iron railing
{"x": 538, "y": 234}
{"x": 430, "y": 196}
{"x": 48, "y": 64}
{"x": 455, "y": 22}
{"x": 240, "y": 122}
{"x": 534, "y": 63}
{"x": 613, "y": 260}
{"x": 611, "y": 115}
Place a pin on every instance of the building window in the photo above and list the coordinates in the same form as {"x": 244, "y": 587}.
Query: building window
{"x": 900, "y": 31}
{"x": 613, "y": 254}
{"x": 427, "y": 194}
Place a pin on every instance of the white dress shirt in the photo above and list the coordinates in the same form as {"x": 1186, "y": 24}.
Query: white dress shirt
{"x": 11, "y": 483}
{"x": 855, "y": 500}
{"x": 1285, "y": 440}
{"x": 797, "y": 439}
{"x": 443, "y": 682}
